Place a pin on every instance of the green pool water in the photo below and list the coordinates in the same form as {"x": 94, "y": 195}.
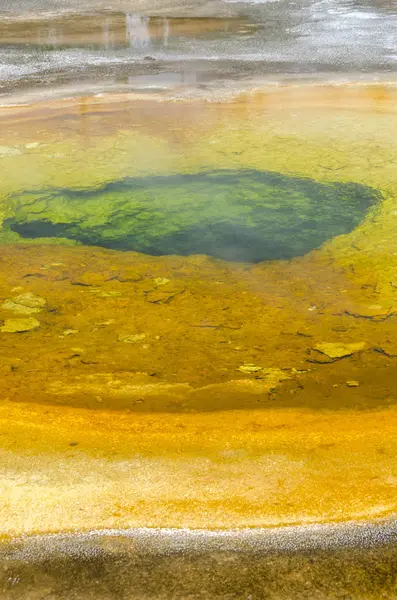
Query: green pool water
{"x": 240, "y": 215}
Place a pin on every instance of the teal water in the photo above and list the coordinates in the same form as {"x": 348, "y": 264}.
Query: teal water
{"x": 246, "y": 215}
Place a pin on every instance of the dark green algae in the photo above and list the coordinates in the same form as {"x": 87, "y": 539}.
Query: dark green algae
{"x": 240, "y": 215}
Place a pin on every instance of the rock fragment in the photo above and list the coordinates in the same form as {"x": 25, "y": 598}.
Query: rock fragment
{"x": 25, "y": 304}
{"x": 68, "y": 332}
{"x": 19, "y": 325}
{"x": 162, "y": 297}
{"x": 270, "y": 375}
{"x": 337, "y": 350}
{"x": 9, "y": 151}
{"x": 249, "y": 368}
{"x": 161, "y": 281}
{"x": 132, "y": 338}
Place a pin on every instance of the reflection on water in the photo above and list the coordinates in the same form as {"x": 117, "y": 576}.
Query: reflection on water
{"x": 137, "y": 31}
{"x": 118, "y": 30}
{"x": 112, "y": 49}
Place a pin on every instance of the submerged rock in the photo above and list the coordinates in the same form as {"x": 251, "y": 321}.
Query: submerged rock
{"x": 250, "y": 369}
{"x": 9, "y": 151}
{"x": 335, "y": 350}
{"x": 107, "y": 294}
{"x": 162, "y": 297}
{"x": 132, "y": 338}
{"x": 25, "y": 304}
{"x": 270, "y": 375}
{"x": 158, "y": 281}
{"x": 352, "y": 384}
{"x": 243, "y": 215}
{"x": 19, "y": 325}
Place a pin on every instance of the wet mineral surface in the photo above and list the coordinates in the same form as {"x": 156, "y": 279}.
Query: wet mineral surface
{"x": 49, "y": 45}
{"x": 344, "y": 561}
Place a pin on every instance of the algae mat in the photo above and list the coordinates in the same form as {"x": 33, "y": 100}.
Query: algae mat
{"x": 213, "y": 393}
{"x": 244, "y": 215}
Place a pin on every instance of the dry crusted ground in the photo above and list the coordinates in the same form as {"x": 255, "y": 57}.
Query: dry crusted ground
{"x": 189, "y": 391}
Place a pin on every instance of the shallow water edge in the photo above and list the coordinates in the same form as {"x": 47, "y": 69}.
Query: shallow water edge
{"x": 354, "y": 561}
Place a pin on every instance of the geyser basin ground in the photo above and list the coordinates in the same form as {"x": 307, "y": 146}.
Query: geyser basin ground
{"x": 352, "y": 560}
{"x": 211, "y": 393}
{"x": 243, "y": 215}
